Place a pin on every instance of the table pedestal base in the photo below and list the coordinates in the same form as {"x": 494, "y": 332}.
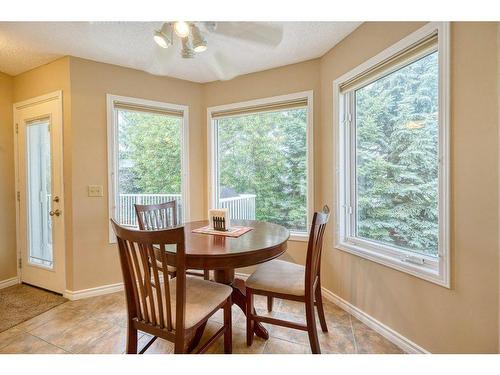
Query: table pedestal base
{"x": 239, "y": 296}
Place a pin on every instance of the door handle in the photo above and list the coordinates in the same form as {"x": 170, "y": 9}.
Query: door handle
{"x": 57, "y": 212}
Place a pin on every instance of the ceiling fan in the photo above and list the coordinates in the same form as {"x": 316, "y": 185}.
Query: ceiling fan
{"x": 193, "y": 38}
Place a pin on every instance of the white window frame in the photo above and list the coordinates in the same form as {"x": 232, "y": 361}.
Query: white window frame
{"x": 212, "y": 163}
{"x": 112, "y": 125}
{"x": 433, "y": 269}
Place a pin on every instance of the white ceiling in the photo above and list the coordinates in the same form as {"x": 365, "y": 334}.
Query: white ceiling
{"x": 26, "y": 45}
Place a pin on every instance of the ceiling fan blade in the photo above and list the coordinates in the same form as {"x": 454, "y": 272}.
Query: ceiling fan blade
{"x": 254, "y": 32}
{"x": 223, "y": 68}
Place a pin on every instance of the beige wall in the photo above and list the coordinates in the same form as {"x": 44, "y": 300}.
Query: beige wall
{"x": 95, "y": 260}
{"x": 461, "y": 319}
{"x": 7, "y": 203}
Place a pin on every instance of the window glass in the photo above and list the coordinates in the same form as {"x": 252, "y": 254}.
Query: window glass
{"x": 149, "y": 161}
{"x": 396, "y": 122}
{"x": 262, "y": 167}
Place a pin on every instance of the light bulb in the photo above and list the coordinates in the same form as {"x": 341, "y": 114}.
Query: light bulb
{"x": 181, "y": 28}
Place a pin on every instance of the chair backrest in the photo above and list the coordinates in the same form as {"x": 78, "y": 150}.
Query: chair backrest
{"x": 156, "y": 216}
{"x": 148, "y": 296}
{"x": 315, "y": 246}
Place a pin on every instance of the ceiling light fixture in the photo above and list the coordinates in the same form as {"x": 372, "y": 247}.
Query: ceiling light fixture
{"x": 163, "y": 37}
{"x": 181, "y": 28}
{"x": 199, "y": 42}
{"x": 186, "y": 52}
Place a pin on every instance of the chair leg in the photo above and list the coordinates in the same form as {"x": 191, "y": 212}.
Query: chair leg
{"x": 319, "y": 306}
{"x": 311, "y": 325}
{"x": 228, "y": 335}
{"x": 249, "y": 310}
{"x": 270, "y": 303}
{"x": 180, "y": 344}
{"x": 206, "y": 274}
{"x": 131, "y": 340}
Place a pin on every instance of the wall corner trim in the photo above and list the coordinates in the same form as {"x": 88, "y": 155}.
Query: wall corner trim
{"x": 395, "y": 337}
{"x": 9, "y": 282}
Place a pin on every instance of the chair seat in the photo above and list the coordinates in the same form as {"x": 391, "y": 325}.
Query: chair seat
{"x": 160, "y": 267}
{"x": 172, "y": 269}
{"x": 279, "y": 276}
{"x": 202, "y": 297}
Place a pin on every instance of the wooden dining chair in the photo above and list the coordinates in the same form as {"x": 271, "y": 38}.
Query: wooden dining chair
{"x": 172, "y": 309}
{"x": 290, "y": 281}
{"x": 162, "y": 216}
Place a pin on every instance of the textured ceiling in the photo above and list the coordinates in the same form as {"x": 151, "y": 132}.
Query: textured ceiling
{"x": 26, "y": 45}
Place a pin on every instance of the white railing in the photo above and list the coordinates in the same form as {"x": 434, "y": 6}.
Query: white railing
{"x": 241, "y": 207}
{"x": 126, "y": 209}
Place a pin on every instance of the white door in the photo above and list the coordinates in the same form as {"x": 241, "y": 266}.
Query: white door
{"x": 40, "y": 208}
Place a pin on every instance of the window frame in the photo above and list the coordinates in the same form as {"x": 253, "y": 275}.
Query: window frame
{"x": 112, "y": 125}
{"x": 433, "y": 269}
{"x": 212, "y": 157}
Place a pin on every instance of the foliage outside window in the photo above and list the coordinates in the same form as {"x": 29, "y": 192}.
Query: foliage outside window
{"x": 393, "y": 152}
{"x": 397, "y": 158}
{"x": 262, "y": 157}
{"x": 146, "y": 156}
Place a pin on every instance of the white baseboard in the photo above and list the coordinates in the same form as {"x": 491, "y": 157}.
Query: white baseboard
{"x": 395, "y": 337}
{"x": 9, "y": 282}
{"x": 74, "y": 295}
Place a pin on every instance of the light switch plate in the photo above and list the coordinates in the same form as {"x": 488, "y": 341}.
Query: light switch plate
{"x": 95, "y": 191}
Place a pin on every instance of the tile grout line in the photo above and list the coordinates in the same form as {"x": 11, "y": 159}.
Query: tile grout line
{"x": 57, "y": 346}
{"x": 353, "y": 335}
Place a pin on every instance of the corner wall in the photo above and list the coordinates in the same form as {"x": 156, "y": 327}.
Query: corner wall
{"x": 96, "y": 261}
{"x": 465, "y": 318}
{"x": 8, "y": 267}
{"x": 279, "y": 81}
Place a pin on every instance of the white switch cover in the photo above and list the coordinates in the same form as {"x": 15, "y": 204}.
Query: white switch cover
{"x": 95, "y": 191}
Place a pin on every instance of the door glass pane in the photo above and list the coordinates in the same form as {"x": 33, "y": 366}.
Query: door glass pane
{"x": 39, "y": 193}
{"x": 149, "y": 162}
{"x": 262, "y": 167}
{"x": 397, "y": 158}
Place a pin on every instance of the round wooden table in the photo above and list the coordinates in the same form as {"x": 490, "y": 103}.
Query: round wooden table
{"x": 223, "y": 254}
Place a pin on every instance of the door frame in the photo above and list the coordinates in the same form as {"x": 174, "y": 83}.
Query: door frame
{"x": 58, "y": 96}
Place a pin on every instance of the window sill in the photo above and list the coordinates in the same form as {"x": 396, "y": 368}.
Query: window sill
{"x": 298, "y": 237}
{"x": 422, "y": 272}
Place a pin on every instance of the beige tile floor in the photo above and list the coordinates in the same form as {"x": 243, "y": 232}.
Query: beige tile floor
{"x": 98, "y": 325}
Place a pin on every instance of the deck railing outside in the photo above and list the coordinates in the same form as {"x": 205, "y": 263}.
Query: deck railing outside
{"x": 240, "y": 207}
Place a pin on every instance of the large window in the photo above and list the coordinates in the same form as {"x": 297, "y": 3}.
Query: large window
{"x": 146, "y": 156}
{"x": 393, "y": 157}
{"x": 260, "y": 160}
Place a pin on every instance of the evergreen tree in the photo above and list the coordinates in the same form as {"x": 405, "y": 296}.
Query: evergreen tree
{"x": 397, "y": 157}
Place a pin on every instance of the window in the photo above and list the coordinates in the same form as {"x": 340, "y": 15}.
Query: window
{"x": 147, "y": 158}
{"x": 260, "y": 160}
{"x": 393, "y": 157}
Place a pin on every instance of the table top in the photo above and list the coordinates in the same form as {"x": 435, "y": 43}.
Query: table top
{"x": 205, "y": 251}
